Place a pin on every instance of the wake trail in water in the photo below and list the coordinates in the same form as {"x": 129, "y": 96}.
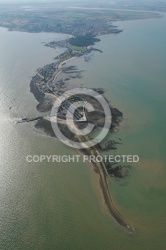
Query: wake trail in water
{"x": 5, "y": 119}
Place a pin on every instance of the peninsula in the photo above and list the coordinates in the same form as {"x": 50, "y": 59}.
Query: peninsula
{"x": 48, "y": 84}
{"x": 85, "y": 28}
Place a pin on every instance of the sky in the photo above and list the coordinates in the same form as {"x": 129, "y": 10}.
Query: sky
{"x": 40, "y": 1}
{"x": 26, "y": 1}
{"x": 33, "y": 1}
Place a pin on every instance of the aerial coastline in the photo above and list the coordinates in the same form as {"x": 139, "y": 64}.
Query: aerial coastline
{"x": 109, "y": 192}
{"x": 45, "y": 88}
{"x": 47, "y": 83}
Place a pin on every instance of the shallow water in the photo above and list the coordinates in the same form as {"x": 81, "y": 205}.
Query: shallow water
{"x": 58, "y": 206}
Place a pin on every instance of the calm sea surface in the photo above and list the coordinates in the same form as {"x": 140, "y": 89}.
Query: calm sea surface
{"x": 58, "y": 206}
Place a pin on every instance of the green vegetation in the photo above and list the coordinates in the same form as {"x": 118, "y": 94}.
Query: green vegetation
{"x": 78, "y": 49}
{"x": 83, "y": 41}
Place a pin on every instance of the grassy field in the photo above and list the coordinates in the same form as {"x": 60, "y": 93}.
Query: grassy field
{"x": 76, "y": 48}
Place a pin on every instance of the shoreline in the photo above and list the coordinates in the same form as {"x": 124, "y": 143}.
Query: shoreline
{"x": 66, "y": 61}
{"x": 99, "y": 168}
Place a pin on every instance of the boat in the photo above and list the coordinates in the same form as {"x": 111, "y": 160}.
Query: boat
{"x": 24, "y": 119}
